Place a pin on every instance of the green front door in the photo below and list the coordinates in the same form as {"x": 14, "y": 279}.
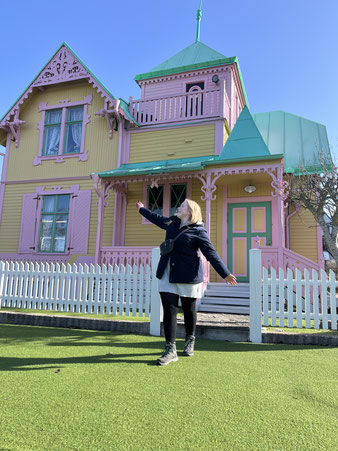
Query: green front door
{"x": 246, "y": 222}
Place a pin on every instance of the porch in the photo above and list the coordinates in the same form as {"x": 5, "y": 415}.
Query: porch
{"x": 220, "y": 189}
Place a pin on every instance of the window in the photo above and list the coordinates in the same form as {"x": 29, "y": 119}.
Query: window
{"x": 177, "y": 195}
{"x": 52, "y": 132}
{"x": 164, "y": 199}
{"x": 73, "y": 131}
{"x": 155, "y": 199}
{"x": 72, "y": 134}
{"x": 54, "y": 222}
{"x": 62, "y": 131}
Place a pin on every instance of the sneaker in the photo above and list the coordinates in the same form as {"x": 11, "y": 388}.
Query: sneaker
{"x": 189, "y": 346}
{"x": 169, "y": 355}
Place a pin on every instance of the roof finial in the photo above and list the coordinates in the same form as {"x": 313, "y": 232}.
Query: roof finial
{"x": 199, "y": 15}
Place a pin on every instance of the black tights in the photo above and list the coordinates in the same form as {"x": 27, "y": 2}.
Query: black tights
{"x": 170, "y": 306}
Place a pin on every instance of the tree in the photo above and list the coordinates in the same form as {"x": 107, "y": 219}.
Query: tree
{"x": 317, "y": 190}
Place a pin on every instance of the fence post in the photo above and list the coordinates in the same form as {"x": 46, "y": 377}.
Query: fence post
{"x": 255, "y": 296}
{"x": 156, "y": 311}
{"x": 2, "y": 277}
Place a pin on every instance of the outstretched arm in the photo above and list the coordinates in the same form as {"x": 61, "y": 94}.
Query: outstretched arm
{"x": 211, "y": 255}
{"x": 160, "y": 221}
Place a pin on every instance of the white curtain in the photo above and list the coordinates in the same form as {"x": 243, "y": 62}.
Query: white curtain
{"x": 52, "y": 134}
{"x": 76, "y": 115}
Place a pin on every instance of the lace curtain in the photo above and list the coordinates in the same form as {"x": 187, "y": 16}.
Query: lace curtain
{"x": 52, "y": 133}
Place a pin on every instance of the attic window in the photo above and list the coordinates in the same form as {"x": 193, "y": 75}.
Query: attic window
{"x": 193, "y": 87}
{"x": 62, "y": 131}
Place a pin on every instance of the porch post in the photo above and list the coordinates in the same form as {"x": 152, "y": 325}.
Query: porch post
{"x": 255, "y": 296}
{"x": 207, "y": 203}
{"x": 100, "y": 217}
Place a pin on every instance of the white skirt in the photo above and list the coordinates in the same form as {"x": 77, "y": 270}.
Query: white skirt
{"x": 189, "y": 290}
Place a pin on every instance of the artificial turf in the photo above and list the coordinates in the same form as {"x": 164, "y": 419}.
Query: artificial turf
{"x": 87, "y": 390}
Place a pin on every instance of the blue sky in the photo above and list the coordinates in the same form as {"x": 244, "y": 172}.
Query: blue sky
{"x": 287, "y": 49}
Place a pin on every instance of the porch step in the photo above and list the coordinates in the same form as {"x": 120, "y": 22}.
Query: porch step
{"x": 221, "y": 298}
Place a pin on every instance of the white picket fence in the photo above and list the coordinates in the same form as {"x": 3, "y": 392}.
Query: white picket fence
{"x": 295, "y": 299}
{"x": 83, "y": 289}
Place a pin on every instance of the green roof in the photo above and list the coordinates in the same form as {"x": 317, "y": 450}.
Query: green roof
{"x": 159, "y": 167}
{"x": 297, "y": 138}
{"x": 195, "y": 56}
{"x": 245, "y": 141}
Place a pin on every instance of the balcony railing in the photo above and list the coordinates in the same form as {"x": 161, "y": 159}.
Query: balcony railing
{"x": 185, "y": 107}
{"x": 123, "y": 255}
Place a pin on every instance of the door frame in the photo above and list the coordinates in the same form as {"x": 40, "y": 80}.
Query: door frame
{"x": 248, "y": 235}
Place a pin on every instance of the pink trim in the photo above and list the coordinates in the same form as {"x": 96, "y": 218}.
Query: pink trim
{"x": 64, "y": 104}
{"x": 234, "y": 222}
{"x": 126, "y": 255}
{"x": 52, "y": 74}
{"x": 252, "y": 220}
{"x": 242, "y": 238}
{"x": 4, "y": 173}
{"x": 166, "y": 193}
{"x": 121, "y": 142}
{"x": 41, "y": 191}
{"x": 81, "y": 177}
{"x": 225, "y": 226}
{"x": 255, "y": 240}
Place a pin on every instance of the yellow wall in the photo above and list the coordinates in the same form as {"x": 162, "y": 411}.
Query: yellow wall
{"x": 303, "y": 234}
{"x": 138, "y": 234}
{"x": 11, "y": 218}
{"x": 102, "y": 151}
{"x": 168, "y": 144}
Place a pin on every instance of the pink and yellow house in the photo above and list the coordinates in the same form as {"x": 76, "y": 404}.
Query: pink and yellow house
{"x": 77, "y": 159}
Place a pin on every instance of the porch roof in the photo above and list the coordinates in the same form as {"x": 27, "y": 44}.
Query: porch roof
{"x": 160, "y": 167}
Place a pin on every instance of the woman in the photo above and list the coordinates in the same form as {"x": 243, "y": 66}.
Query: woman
{"x": 180, "y": 272}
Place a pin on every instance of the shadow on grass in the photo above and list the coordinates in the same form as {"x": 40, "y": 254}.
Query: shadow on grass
{"x": 34, "y": 363}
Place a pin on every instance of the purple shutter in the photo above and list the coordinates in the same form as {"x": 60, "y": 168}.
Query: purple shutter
{"x": 79, "y": 222}
{"x": 28, "y": 224}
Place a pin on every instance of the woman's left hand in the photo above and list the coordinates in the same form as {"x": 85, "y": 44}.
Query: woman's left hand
{"x": 231, "y": 279}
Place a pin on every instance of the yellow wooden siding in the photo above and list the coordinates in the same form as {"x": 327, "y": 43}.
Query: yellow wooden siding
{"x": 303, "y": 234}
{"x": 168, "y": 144}
{"x": 102, "y": 151}
{"x": 11, "y": 217}
{"x": 237, "y": 189}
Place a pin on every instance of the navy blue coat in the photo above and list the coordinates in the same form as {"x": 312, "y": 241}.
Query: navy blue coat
{"x": 185, "y": 263}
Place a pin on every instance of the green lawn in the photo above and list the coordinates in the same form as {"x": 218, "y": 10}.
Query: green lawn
{"x": 64, "y": 389}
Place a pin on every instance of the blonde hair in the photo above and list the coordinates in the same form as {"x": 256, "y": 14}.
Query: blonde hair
{"x": 195, "y": 210}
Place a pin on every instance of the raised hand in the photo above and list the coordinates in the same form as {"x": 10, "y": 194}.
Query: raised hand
{"x": 231, "y": 279}
{"x": 139, "y": 204}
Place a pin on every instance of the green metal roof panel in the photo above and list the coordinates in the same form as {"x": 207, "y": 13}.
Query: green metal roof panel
{"x": 196, "y": 55}
{"x": 158, "y": 167}
{"x": 244, "y": 141}
{"x": 299, "y": 139}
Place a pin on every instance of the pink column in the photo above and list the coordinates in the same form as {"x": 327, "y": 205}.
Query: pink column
{"x": 207, "y": 203}
{"x": 100, "y": 217}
